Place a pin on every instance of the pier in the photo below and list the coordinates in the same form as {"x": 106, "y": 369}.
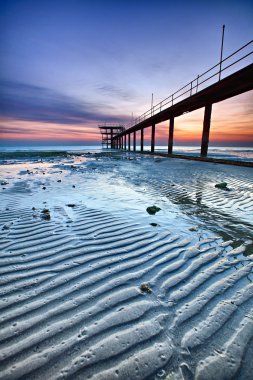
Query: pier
{"x": 198, "y": 93}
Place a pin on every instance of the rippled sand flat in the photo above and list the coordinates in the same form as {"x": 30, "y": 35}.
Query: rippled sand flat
{"x": 93, "y": 287}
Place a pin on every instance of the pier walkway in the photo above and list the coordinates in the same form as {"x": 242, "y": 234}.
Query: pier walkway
{"x": 192, "y": 97}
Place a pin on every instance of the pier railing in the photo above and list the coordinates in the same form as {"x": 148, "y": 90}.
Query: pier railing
{"x": 199, "y": 83}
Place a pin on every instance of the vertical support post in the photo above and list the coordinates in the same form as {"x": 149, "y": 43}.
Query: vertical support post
{"x": 124, "y": 142}
{"x": 153, "y": 138}
{"x": 134, "y": 143}
{"x": 111, "y": 139}
{"x": 171, "y": 136}
{"x": 206, "y": 130}
{"x": 129, "y": 142}
{"x": 142, "y": 138}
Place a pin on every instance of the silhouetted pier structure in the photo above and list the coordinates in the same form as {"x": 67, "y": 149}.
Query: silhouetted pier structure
{"x": 108, "y": 131}
{"x": 189, "y": 98}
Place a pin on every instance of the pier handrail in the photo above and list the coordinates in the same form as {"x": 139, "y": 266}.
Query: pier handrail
{"x": 190, "y": 87}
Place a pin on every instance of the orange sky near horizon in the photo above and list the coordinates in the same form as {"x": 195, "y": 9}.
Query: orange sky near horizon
{"x": 232, "y": 123}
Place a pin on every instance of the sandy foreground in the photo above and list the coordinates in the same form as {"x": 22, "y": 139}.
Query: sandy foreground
{"x": 94, "y": 287}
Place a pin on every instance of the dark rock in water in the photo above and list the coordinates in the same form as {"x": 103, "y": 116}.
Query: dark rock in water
{"x": 59, "y": 180}
{"x": 193, "y": 229}
{"x": 5, "y": 227}
{"x": 154, "y": 224}
{"x": 145, "y": 288}
{"x": 44, "y": 187}
{"x": 45, "y": 214}
{"x": 33, "y": 208}
{"x": 73, "y": 186}
{"x": 222, "y": 186}
{"x": 71, "y": 205}
{"x": 3, "y": 183}
{"x": 153, "y": 209}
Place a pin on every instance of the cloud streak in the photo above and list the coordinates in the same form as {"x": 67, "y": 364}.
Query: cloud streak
{"x": 22, "y": 101}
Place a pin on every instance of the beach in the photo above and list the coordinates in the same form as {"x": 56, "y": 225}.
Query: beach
{"x": 117, "y": 265}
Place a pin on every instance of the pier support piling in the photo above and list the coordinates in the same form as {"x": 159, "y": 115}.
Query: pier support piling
{"x": 129, "y": 142}
{"x": 142, "y": 138}
{"x": 153, "y": 138}
{"x": 134, "y": 143}
{"x": 206, "y": 130}
{"x": 171, "y": 135}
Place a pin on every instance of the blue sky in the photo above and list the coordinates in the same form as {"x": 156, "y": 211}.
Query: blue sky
{"x": 76, "y": 63}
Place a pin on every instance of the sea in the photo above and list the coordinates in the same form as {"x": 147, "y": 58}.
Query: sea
{"x": 227, "y": 153}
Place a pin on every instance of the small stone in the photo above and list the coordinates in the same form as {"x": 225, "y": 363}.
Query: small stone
{"x": 154, "y": 224}
{"x": 145, "y": 288}
{"x": 73, "y": 186}
{"x": 152, "y": 210}
{"x": 46, "y": 216}
{"x": 44, "y": 187}
{"x": 71, "y": 205}
{"x": 222, "y": 186}
{"x": 193, "y": 229}
{"x": 5, "y": 228}
{"x": 59, "y": 180}
{"x": 33, "y": 208}
{"x": 45, "y": 211}
{"x": 3, "y": 183}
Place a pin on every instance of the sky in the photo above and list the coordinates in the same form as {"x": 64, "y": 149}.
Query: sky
{"x": 68, "y": 65}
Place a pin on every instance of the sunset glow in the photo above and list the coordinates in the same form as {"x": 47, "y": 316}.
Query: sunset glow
{"x": 64, "y": 69}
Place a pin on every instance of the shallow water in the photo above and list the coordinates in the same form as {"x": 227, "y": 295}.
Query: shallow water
{"x": 71, "y": 299}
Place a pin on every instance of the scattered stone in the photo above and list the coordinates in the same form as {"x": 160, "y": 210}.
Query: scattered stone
{"x": 45, "y": 211}
{"x": 59, "y": 180}
{"x": 33, "y": 208}
{"x": 7, "y": 209}
{"x": 43, "y": 173}
{"x": 3, "y": 183}
{"x": 153, "y": 209}
{"x": 193, "y": 229}
{"x": 222, "y": 186}
{"x": 44, "y": 187}
{"x": 5, "y": 227}
{"x": 145, "y": 288}
{"x": 154, "y": 224}
{"x": 73, "y": 186}
{"x": 45, "y": 214}
{"x": 71, "y": 205}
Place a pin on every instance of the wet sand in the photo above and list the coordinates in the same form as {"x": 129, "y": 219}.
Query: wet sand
{"x": 94, "y": 287}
